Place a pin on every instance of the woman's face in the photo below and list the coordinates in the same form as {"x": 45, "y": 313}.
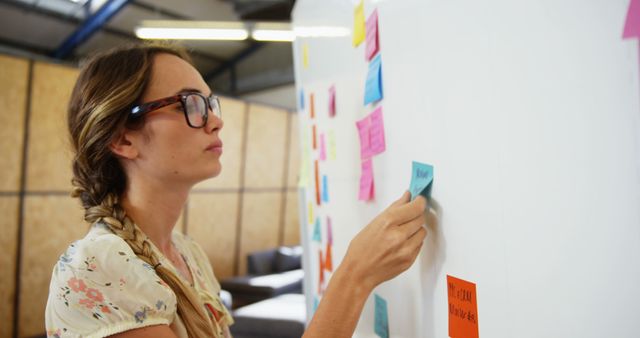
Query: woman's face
{"x": 168, "y": 149}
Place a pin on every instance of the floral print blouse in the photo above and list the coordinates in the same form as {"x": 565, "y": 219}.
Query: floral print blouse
{"x": 99, "y": 287}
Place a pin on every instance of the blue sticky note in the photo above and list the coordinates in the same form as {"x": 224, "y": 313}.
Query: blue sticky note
{"x": 421, "y": 180}
{"x": 381, "y": 323}
{"x": 316, "y": 302}
{"x": 301, "y": 99}
{"x": 317, "y": 234}
{"x": 325, "y": 189}
{"x": 373, "y": 86}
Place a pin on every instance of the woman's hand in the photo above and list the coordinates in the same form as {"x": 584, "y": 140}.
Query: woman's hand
{"x": 389, "y": 244}
{"x": 382, "y": 250}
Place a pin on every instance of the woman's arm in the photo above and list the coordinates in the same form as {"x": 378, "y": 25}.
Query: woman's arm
{"x": 156, "y": 331}
{"x": 383, "y": 249}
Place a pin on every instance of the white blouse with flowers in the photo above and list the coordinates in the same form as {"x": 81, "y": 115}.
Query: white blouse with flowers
{"x": 99, "y": 287}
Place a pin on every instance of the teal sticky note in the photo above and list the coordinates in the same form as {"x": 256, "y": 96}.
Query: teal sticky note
{"x": 325, "y": 189}
{"x": 381, "y": 323}
{"x": 316, "y": 302}
{"x": 373, "y": 86}
{"x": 421, "y": 180}
{"x": 317, "y": 234}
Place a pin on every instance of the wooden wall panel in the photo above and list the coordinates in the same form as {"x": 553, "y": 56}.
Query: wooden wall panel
{"x": 51, "y": 223}
{"x": 294, "y": 151}
{"x": 291, "y": 220}
{"x": 265, "y": 147}
{"x": 232, "y": 135}
{"x": 49, "y": 159}
{"x": 212, "y": 222}
{"x": 260, "y": 224}
{"x": 9, "y": 225}
{"x": 14, "y": 75}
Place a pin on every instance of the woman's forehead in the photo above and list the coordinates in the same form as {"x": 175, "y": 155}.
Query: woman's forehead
{"x": 170, "y": 74}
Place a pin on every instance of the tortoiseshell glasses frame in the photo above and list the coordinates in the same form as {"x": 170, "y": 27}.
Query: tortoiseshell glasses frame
{"x": 195, "y": 107}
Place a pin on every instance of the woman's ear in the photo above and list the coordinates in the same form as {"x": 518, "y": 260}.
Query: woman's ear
{"x": 123, "y": 147}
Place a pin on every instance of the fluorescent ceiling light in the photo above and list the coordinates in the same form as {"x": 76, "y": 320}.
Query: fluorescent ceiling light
{"x": 273, "y": 35}
{"x": 272, "y": 31}
{"x": 192, "y": 30}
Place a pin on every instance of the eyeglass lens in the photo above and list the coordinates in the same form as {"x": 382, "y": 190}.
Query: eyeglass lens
{"x": 196, "y": 110}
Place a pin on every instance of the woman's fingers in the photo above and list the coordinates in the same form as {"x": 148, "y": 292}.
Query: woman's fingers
{"x": 411, "y": 227}
{"x": 409, "y": 211}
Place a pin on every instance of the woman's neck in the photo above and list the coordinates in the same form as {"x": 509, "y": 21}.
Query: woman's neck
{"x": 155, "y": 208}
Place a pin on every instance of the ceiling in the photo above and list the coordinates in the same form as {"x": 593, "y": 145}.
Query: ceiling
{"x": 39, "y": 28}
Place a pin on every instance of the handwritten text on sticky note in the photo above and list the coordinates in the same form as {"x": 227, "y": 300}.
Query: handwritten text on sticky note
{"x": 463, "y": 308}
{"x": 421, "y": 180}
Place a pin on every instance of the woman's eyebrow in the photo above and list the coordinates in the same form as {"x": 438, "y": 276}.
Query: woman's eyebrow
{"x": 189, "y": 90}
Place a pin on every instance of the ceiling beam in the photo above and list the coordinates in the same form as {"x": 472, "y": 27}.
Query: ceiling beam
{"x": 89, "y": 27}
{"x": 75, "y": 21}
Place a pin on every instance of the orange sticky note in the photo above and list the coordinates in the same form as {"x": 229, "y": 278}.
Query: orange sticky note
{"x": 463, "y": 308}
{"x": 328, "y": 261}
{"x": 312, "y": 106}
{"x": 317, "y": 183}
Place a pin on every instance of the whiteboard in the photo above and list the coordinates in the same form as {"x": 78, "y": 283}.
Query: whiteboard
{"x": 529, "y": 112}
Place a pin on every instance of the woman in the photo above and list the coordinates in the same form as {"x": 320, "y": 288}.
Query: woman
{"x": 145, "y": 129}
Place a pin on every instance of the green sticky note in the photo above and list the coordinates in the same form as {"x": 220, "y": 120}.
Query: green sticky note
{"x": 421, "y": 180}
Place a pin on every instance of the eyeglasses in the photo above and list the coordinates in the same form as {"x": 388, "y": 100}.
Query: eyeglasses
{"x": 195, "y": 107}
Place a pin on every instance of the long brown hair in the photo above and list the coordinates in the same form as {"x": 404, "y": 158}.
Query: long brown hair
{"x": 108, "y": 86}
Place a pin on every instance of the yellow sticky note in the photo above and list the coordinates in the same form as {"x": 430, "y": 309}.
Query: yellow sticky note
{"x": 305, "y": 55}
{"x": 310, "y": 212}
{"x": 332, "y": 145}
{"x": 358, "y": 24}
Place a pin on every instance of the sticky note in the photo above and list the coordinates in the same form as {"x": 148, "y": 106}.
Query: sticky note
{"x": 321, "y": 274}
{"x": 358, "y": 24}
{"x": 316, "y": 303}
{"x": 366, "y": 181}
{"x": 373, "y": 86}
{"x": 328, "y": 260}
{"x": 301, "y": 102}
{"x": 381, "y": 320}
{"x": 325, "y": 189}
{"x": 305, "y": 55}
{"x": 372, "y": 46}
{"x": 332, "y": 145}
{"x": 363, "y": 131}
{"x": 317, "y": 176}
{"x": 312, "y": 106}
{"x": 317, "y": 234}
{"x": 463, "y": 308}
{"x": 332, "y": 101}
{"x": 421, "y": 180}
{"x": 329, "y": 231}
{"x": 632, "y": 23}
{"x": 310, "y": 212}
{"x": 314, "y": 137}
{"x": 376, "y": 132}
{"x": 323, "y": 149}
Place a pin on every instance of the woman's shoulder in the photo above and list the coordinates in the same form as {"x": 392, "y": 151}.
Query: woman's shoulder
{"x": 99, "y": 284}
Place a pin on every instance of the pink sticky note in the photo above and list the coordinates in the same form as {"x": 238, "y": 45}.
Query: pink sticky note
{"x": 323, "y": 148}
{"x": 365, "y": 144}
{"x": 332, "y": 101}
{"x": 632, "y": 24}
{"x": 376, "y": 132}
{"x": 373, "y": 45}
{"x": 366, "y": 181}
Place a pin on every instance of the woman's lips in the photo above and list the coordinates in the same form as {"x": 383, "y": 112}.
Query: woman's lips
{"x": 215, "y": 147}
